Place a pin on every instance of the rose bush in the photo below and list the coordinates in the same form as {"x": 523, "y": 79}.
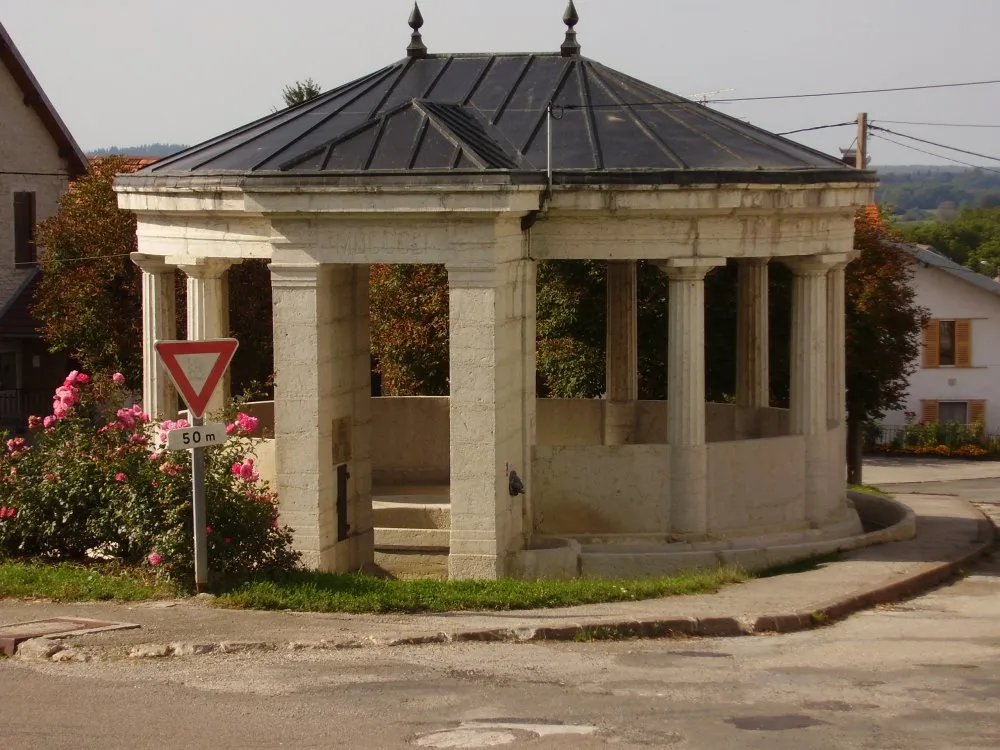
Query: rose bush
{"x": 96, "y": 481}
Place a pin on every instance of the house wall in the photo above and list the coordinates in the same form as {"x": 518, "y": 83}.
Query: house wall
{"x": 948, "y": 297}
{"x": 26, "y": 149}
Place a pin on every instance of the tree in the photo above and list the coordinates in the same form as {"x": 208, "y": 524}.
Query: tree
{"x": 89, "y": 298}
{"x": 409, "y": 328}
{"x": 300, "y": 91}
{"x": 884, "y": 326}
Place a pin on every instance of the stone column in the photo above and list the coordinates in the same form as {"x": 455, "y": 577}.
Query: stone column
{"x": 321, "y": 410}
{"x": 809, "y": 381}
{"x": 836, "y": 324}
{"x": 208, "y": 310}
{"x": 159, "y": 323}
{"x": 622, "y": 369}
{"x": 686, "y": 394}
{"x": 752, "y": 366}
{"x": 491, "y": 310}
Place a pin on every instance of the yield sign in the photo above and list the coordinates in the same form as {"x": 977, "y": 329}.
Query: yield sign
{"x": 197, "y": 367}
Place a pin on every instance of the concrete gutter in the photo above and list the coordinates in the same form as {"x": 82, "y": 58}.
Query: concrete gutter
{"x": 952, "y": 536}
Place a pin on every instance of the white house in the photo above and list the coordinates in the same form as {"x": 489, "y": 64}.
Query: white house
{"x": 958, "y": 376}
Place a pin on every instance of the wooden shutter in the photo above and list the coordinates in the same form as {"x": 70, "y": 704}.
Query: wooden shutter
{"x": 24, "y": 228}
{"x": 929, "y": 412}
{"x": 977, "y": 412}
{"x": 932, "y": 344}
{"x": 963, "y": 344}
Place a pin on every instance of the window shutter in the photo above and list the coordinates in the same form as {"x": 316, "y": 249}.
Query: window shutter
{"x": 930, "y": 411}
{"x": 977, "y": 412}
{"x": 932, "y": 342}
{"x": 963, "y": 343}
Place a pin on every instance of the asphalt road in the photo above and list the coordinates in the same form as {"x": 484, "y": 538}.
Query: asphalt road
{"x": 922, "y": 675}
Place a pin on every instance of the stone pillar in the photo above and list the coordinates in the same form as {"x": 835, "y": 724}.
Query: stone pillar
{"x": 208, "y": 311}
{"x": 809, "y": 382}
{"x": 492, "y": 407}
{"x": 622, "y": 369}
{"x": 159, "y": 323}
{"x": 752, "y": 366}
{"x": 836, "y": 324}
{"x": 321, "y": 411}
{"x": 686, "y": 394}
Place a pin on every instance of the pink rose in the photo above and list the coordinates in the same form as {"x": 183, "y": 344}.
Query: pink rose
{"x": 208, "y": 529}
{"x": 230, "y": 428}
{"x": 118, "y": 378}
{"x": 119, "y": 477}
{"x": 237, "y": 467}
{"x": 83, "y": 378}
{"x": 47, "y": 422}
{"x": 50, "y": 477}
{"x": 155, "y": 558}
{"x": 71, "y": 378}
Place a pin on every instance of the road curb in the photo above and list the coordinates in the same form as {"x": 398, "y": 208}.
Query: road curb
{"x": 887, "y": 591}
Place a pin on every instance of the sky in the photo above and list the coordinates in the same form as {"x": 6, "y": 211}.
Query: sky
{"x": 127, "y": 72}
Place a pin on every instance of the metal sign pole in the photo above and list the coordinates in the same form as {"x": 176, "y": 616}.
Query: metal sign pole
{"x": 200, "y": 514}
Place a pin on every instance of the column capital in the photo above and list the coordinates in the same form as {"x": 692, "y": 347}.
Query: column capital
{"x": 817, "y": 265}
{"x": 753, "y": 262}
{"x": 295, "y": 275}
{"x": 472, "y": 276}
{"x": 152, "y": 263}
{"x": 692, "y": 269}
{"x": 206, "y": 268}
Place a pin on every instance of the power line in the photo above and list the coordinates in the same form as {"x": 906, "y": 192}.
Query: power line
{"x": 939, "y": 156}
{"x": 86, "y": 257}
{"x": 933, "y": 143}
{"x": 674, "y": 102}
{"x": 938, "y": 124}
{"x": 818, "y": 127}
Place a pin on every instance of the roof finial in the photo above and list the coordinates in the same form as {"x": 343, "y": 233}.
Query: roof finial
{"x": 570, "y": 47}
{"x": 417, "y": 47}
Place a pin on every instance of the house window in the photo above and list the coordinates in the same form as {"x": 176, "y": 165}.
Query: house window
{"x": 953, "y": 411}
{"x": 947, "y": 343}
{"x": 25, "y": 252}
{"x": 946, "y": 412}
{"x": 8, "y": 371}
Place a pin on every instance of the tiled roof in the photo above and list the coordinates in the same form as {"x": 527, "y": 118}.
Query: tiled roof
{"x": 930, "y": 257}
{"x": 35, "y": 97}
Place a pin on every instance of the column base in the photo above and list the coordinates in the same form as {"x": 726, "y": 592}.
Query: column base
{"x": 619, "y": 422}
{"x": 689, "y": 490}
{"x": 475, "y": 567}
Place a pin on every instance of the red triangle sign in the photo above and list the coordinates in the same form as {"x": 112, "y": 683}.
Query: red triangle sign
{"x": 197, "y": 367}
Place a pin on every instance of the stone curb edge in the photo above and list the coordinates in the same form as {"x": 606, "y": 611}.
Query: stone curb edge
{"x": 894, "y": 589}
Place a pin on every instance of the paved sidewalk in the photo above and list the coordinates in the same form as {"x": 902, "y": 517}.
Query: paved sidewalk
{"x": 951, "y": 535}
{"x": 884, "y": 471}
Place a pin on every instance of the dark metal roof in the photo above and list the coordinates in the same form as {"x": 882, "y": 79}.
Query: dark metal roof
{"x": 35, "y": 97}
{"x": 486, "y": 112}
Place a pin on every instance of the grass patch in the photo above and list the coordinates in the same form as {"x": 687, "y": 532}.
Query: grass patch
{"x": 66, "y": 582}
{"x": 332, "y": 592}
{"x": 868, "y": 490}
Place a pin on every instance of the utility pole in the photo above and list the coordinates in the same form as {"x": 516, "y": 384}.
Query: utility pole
{"x": 861, "y": 157}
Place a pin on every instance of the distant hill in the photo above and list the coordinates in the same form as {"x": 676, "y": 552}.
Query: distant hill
{"x": 147, "y": 149}
{"x": 924, "y": 193}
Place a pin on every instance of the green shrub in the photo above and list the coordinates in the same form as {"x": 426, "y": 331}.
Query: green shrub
{"x": 95, "y": 481}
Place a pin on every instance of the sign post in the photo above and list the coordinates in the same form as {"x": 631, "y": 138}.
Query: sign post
{"x": 197, "y": 367}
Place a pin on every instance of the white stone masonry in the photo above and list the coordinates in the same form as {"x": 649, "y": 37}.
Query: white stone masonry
{"x": 622, "y": 371}
{"x": 208, "y": 311}
{"x": 752, "y": 352}
{"x": 492, "y": 407}
{"x": 159, "y": 323}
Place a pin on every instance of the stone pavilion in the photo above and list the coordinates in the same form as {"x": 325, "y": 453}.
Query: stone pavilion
{"x": 489, "y": 163}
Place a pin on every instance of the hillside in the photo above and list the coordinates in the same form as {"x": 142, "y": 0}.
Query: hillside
{"x": 148, "y": 149}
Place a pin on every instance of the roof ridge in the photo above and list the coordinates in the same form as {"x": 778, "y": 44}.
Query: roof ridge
{"x": 69, "y": 149}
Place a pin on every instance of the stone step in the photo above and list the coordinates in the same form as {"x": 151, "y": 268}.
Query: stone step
{"x": 412, "y": 563}
{"x": 437, "y": 540}
{"x": 394, "y": 515}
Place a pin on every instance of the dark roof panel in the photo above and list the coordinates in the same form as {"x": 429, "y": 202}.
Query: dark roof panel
{"x": 489, "y": 112}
